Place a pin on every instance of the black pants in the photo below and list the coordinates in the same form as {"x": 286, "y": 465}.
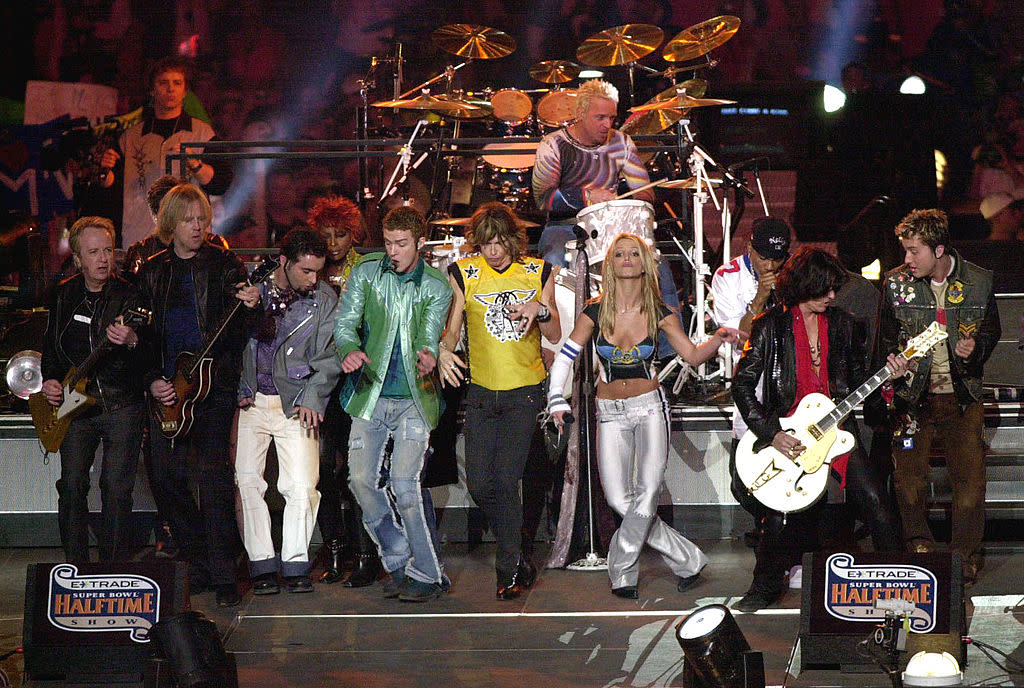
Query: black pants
{"x": 339, "y": 515}
{"x": 121, "y": 434}
{"x": 498, "y": 428}
{"x": 207, "y": 533}
{"x": 781, "y": 546}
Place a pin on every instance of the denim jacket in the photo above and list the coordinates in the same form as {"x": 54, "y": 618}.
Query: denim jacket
{"x": 908, "y": 307}
{"x": 306, "y": 366}
{"x": 375, "y": 309}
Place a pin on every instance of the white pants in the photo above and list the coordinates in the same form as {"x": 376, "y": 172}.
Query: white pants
{"x": 298, "y": 458}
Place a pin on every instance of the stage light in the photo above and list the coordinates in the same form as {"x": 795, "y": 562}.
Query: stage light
{"x": 192, "y": 648}
{"x": 717, "y": 654}
{"x": 591, "y": 74}
{"x": 941, "y": 168}
{"x": 912, "y": 85}
{"x": 932, "y": 669}
{"x": 833, "y": 98}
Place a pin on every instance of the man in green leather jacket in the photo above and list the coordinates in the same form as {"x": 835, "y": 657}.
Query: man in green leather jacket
{"x": 943, "y": 397}
{"x": 387, "y": 331}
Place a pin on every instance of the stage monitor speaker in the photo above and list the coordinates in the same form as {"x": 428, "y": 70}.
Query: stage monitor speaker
{"x": 838, "y": 611}
{"x": 90, "y": 623}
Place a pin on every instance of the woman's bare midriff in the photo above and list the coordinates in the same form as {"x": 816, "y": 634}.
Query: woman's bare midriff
{"x": 623, "y": 389}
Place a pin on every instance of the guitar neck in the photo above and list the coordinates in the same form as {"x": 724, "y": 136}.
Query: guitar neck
{"x": 847, "y": 405}
{"x": 90, "y": 362}
{"x": 213, "y": 340}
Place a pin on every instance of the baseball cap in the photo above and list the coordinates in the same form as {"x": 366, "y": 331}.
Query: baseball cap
{"x": 770, "y": 238}
{"x": 993, "y": 204}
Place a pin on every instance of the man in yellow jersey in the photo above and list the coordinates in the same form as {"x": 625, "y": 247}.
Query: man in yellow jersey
{"x": 500, "y": 294}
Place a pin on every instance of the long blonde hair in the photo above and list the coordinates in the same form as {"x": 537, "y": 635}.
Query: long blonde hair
{"x": 650, "y": 293}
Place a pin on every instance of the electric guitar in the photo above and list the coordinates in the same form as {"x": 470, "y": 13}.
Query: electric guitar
{"x": 193, "y": 373}
{"x": 52, "y": 422}
{"x": 793, "y": 483}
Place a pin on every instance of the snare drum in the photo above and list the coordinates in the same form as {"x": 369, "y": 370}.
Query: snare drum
{"x": 558, "y": 108}
{"x": 605, "y": 221}
{"x": 441, "y": 255}
{"x": 512, "y": 106}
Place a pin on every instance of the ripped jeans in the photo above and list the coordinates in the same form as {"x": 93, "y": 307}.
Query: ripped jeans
{"x": 632, "y": 451}
{"x": 398, "y": 526}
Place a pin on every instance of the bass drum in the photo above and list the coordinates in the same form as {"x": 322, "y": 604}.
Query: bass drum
{"x": 507, "y": 167}
{"x": 557, "y": 109}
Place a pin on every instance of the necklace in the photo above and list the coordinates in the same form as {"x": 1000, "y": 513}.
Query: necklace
{"x": 630, "y": 309}
{"x": 815, "y": 355}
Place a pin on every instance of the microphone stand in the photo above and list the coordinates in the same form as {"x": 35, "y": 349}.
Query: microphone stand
{"x": 584, "y": 394}
{"x": 405, "y": 160}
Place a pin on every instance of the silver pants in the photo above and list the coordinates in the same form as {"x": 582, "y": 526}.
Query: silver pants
{"x": 632, "y": 451}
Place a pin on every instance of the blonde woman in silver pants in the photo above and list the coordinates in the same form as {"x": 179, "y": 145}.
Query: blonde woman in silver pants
{"x": 633, "y": 427}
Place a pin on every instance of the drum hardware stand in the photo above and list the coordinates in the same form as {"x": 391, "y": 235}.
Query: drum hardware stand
{"x": 591, "y": 562}
{"x": 448, "y": 73}
{"x": 405, "y": 157}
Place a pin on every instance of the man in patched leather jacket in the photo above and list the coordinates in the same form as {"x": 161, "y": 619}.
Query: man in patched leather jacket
{"x": 943, "y": 396}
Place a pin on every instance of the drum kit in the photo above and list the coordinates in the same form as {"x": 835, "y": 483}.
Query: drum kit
{"x": 518, "y": 116}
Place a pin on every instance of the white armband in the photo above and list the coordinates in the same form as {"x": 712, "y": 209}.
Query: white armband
{"x": 560, "y": 370}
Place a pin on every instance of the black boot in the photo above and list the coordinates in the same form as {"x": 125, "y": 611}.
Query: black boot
{"x": 334, "y": 569}
{"x": 366, "y": 572}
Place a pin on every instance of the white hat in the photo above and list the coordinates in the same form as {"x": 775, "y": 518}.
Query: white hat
{"x": 993, "y": 204}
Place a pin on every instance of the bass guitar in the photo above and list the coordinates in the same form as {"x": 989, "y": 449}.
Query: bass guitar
{"x": 793, "y": 483}
{"x": 193, "y": 373}
{"x": 52, "y": 422}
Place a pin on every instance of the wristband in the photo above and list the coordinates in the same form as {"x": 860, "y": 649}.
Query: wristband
{"x": 543, "y": 315}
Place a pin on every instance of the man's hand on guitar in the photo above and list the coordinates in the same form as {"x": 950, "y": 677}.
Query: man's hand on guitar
{"x": 897, "y": 366}
{"x": 120, "y": 334}
{"x": 249, "y": 294}
{"x": 53, "y": 390}
{"x": 308, "y": 418}
{"x": 787, "y": 444}
{"x": 354, "y": 361}
{"x": 163, "y": 391}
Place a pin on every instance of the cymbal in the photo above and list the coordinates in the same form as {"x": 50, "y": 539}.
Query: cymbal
{"x": 684, "y": 103}
{"x": 555, "y": 71}
{"x": 688, "y": 183}
{"x": 657, "y": 121}
{"x": 473, "y": 41}
{"x": 465, "y": 221}
{"x": 429, "y": 102}
{"x": 701, "y": 39}
{"x": 472, "y": 108}
{"x": 620, "y": 45}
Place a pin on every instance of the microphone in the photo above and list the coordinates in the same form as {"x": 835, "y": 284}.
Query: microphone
{"x": 751, "y": 164}
{"x": 581, "y": 234}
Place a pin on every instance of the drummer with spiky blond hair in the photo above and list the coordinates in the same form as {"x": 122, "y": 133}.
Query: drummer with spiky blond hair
{"x": 583, "y": 164}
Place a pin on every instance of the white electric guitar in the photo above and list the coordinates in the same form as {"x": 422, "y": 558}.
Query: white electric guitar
{"x": 794, "y": 483}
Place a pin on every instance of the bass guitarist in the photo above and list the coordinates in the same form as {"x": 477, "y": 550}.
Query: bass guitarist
{"x": 191, "y": 287}
{"x": 84, "y": 314}
{"x": 800, "y": 346}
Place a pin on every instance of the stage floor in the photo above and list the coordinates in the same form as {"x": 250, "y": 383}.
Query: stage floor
{"x": 569, "y": 630}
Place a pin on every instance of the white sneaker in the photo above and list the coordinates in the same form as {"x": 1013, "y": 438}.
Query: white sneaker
{"x": 796, "y": 577}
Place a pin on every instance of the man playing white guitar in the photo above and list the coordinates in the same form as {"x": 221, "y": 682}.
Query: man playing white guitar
{"x": 804, "y": 346}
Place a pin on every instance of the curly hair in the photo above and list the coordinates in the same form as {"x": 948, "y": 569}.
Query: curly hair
{"x": 810, "y": 273}
{"x": 594, "y": 88}
{"x": 341, "y": 214}
{"x": 930, "y": 226}
{"x": 650, "y": 292}
{"x": 171, "y": 63}
{"x": 496, "y": 220}
{"x": 406, "y": 219}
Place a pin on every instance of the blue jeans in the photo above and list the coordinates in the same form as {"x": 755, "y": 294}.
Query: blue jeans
{"x": 551, "y": 248}
{"x": 400, "y": 528}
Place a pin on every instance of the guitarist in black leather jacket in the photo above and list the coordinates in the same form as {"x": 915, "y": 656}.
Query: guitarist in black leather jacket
{"x": 191, "y": 287}
{"x": 806, "y": 287}
{"x": 85, "y": 312}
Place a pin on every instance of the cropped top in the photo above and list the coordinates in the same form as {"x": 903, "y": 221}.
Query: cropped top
{"x": 624, "y": 364}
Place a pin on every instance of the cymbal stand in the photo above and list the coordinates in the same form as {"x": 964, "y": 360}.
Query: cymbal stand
{"x": 631, "y": 66}
{"x": 448, "y": 73}
{"x": 365, "y": 194}
{"x": 405, "y": 158}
